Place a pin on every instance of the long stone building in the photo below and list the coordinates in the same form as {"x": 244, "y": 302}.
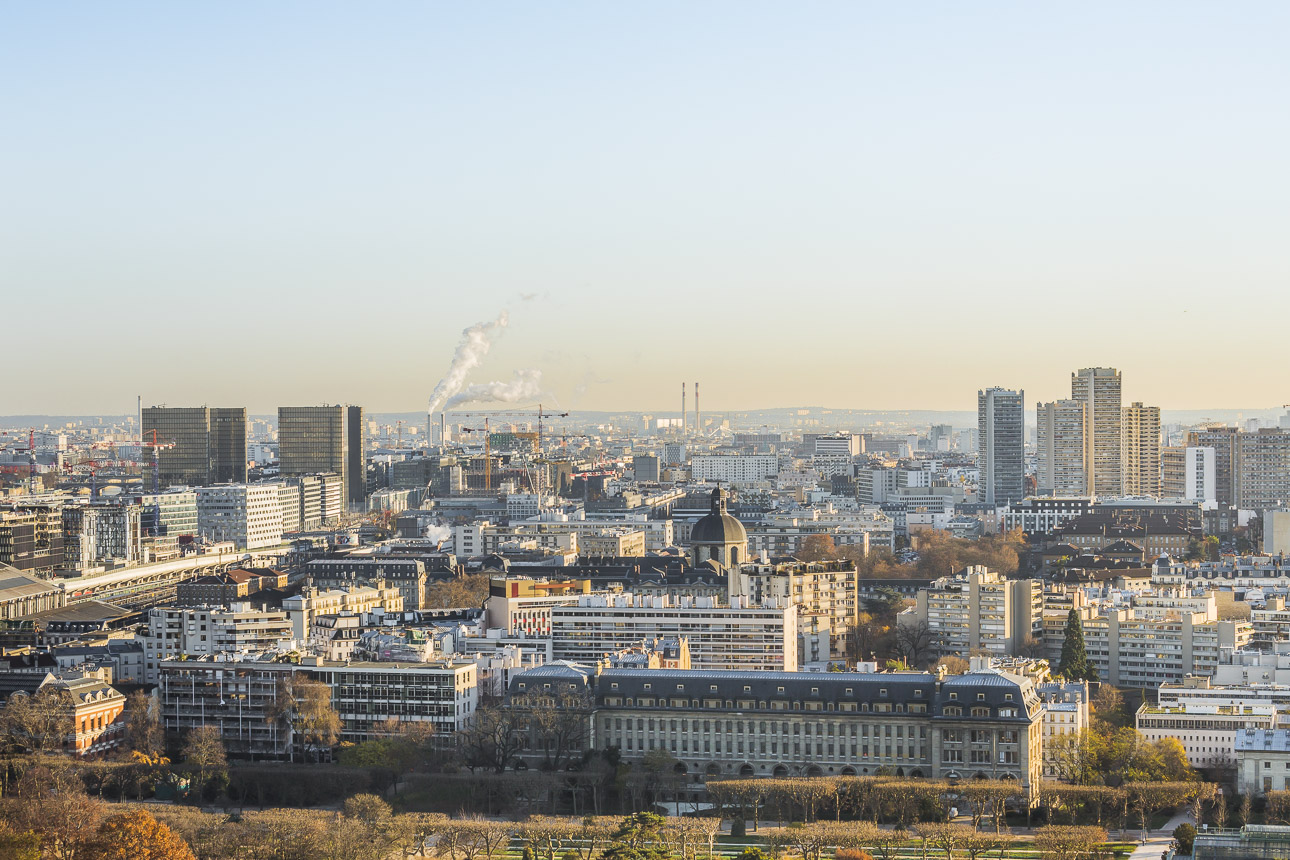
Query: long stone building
{"x": 986, "y": 723}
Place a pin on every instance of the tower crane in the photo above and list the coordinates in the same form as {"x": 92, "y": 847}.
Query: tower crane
{"x": 156, "y": 445}
{"x": 540, "y": 414}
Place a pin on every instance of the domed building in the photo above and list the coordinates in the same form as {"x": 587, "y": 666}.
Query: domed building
{"x": 718, "y": 537}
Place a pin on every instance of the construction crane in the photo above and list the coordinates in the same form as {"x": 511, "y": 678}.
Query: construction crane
{"x": 156, "y": 445}
{"x": 487, "y": 416}
{"x": 31, "y": 457}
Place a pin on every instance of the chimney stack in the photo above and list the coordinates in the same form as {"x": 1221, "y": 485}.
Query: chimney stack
{"x": 698, "y": 425}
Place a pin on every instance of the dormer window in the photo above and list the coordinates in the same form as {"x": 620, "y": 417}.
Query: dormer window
{"x": 747, "y": 689}
{"x": 882, "y": 692}
{"x": 647, "y": 686}
{"x": 953, "y": 696}
{"x": 1007, "y": 697}
{"x": 680, "y": 688}
{"x": 980, "y": 697}
{"x": 850, "y": 692}
{"x": 712, "y": 689}
{"x": 815, "y": 691}
{"x": 613, "y": 686}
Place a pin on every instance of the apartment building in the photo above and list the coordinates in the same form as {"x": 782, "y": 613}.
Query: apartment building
{"x": 408, "y": 575}
{"x": 304, "y": 607}
{"x": 1135, "y": 650}
{"x": 737, "y": 636}
{"x": 1060, "y": 432}
{"x": 1001, "y": 436}
{"x": 1262, "y": 467}
{"x": 977, "y": 610}
{"x": 1262, "y": 759}
{"x": 1140, "y": 450}
{"x": 1065, "y": 712}
{"x": 175, "y": 632}
{"x": 31, "y": 538}
{"x": 818, "y": 588}
{"x": 1223, "y": 440}
{"x": 237, "y": 696}
{"x": 1098, "y": 388}
{"x": 522, "y": 607}
{"x": 985, "y": 723}
{"x": 734, "y": 468}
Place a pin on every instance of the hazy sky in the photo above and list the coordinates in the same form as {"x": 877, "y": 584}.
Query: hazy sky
{"x": 861, "y": 204}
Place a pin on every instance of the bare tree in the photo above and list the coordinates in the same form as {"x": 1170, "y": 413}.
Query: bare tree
{"x": 39, "y": 721}
{"x": 914, "y": 642}
{"x": 492, "y": 739}
{"x": 143, "y": 729}
{"x": 204, "y": 753}
{"x": 1068, "y": 843}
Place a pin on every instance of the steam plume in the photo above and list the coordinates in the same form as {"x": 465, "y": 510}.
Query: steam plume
{"x": 526, "y": 385}
{"x": 474, "y": 345}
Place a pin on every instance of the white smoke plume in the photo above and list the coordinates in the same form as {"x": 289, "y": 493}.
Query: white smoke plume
{"x": 474, "y": 345}
{"x": 526, "y": 385}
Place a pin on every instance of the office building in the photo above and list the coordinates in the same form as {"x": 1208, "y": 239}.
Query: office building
{"x": 249, "y": 515}
{"x": 314, "y": 440}
{"x": 1207, "y": 730}
{"x": 1001, "y": 431}
{"x": 202, "y": 445}
{"x": 31, "y": 539}
{"x": 238, "y": 696}
{"x": 1098, "y": 388}
{"x": 1263, "y": 469}
{"x": 101, "y": 534}
{"x": 1060, "y": 433}
{"x": 646, "y": 468}
{"x": 1140, "y": 450}
{"x": 827, "y": 588}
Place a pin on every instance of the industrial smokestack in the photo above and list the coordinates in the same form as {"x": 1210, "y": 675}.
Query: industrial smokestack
{"x": 684, "y": 414}
{"x": 698, "y": 425}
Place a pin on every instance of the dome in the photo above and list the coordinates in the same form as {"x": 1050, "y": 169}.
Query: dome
{"x": 718, "y": 526}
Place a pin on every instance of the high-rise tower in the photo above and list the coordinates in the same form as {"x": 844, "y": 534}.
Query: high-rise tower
{"x": 1098, "y": 388}
{"x": 1000, "y": 429}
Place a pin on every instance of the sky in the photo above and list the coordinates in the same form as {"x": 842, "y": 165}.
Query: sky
{"x": 850, "y": 204}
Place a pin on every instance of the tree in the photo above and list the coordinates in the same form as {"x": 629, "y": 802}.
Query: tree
{"x": 136, "y": 835}
{"x": 143, "y": 730}
{"x": 492, "y": 739}
{"x": 1184, "y": 836}
{"x": 1074, "y": 664}
{"x": 302, "y": 706}
{"x": 204, "y": 753}
{"x": 914, "y": 642}
{"x": 1068, "y": 843}
{"x": 817, "y": 548}
{"x": 53, "y": 805}
{"x": 39, "y": 721}
{"x": 952, "y": 665}
{"x": 18, "y": 846}
{"x": 468, "y": 590}
{"x": 1108, "y": 705}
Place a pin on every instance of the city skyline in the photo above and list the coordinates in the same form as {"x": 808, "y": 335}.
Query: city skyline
{"x": 733, "y": 188}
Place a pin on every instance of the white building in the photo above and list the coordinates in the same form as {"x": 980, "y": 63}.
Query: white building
{"x": 1065, "y": 712}
{"x": 734, "y": 468}
{"x": 1262, "y": 761}
{"x": 175, "y": 632}
{"x": 721, "y": 637}
{"x": 1207, "y": 731}
{"x": 1200, "y": 475}
{"x": 249, "y": 515}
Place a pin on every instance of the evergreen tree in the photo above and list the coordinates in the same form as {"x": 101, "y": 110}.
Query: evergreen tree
{"x": 1075, "y": 665}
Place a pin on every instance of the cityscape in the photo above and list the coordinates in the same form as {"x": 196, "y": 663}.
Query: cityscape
{"x": 604, "y": 433}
